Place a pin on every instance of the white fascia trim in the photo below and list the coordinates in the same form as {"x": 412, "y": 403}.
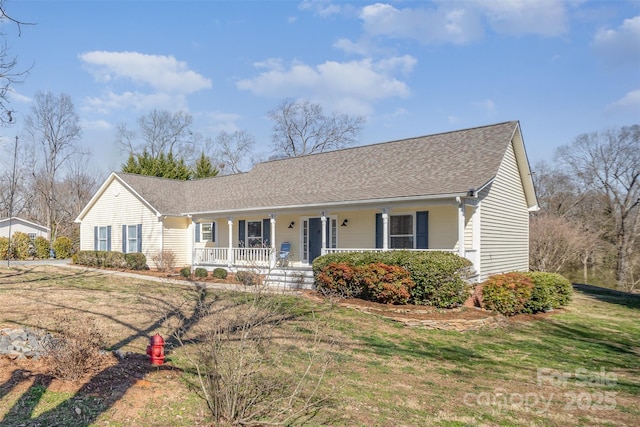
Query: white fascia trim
{"x": 332, "y": 205}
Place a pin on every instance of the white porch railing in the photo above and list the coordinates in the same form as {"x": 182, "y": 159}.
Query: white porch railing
{"x": 226, "y": 256}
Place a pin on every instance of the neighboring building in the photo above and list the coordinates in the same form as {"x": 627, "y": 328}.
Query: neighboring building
{"x": 32, "y": 229}
{"x": 468, "y": 191}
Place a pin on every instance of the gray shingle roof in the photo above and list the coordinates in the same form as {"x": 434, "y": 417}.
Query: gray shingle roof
{"x": 428, "y": 166}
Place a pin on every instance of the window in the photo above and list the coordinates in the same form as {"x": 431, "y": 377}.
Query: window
{"x": 401, "y": 231}
{"x": 207, "y": 232}
{"x": 254, "y": 233}
{"x": 131, "y": 238}
{"x": 103, "y": 239}
{"x": 32, "y": 237}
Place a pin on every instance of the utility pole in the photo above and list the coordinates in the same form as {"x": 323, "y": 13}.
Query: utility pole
{"x": 12, "y": 191}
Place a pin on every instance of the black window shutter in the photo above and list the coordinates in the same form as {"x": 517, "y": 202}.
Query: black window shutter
{"x": 124, "y": 239}
{"x": 266, "y": 231}
{"x": 139, "y": 237}
{"x": 379, "y": 230}
{"x": 213, "y": 231}
{"x": 422, "y": 230}
{"x": 197, "y": 232}
{"x": 108, "y": 238}
{"x": 241, "y": 231}
{"x": 95, "y": 238}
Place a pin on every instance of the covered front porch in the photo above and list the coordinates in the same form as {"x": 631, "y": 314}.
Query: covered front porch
{"x": 253, "y": 241}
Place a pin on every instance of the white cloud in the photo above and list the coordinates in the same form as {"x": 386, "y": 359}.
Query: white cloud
{"x": 136, "y": 101}
{"x": 323, "y": 8}
{"x": 96, "y": 125}
{"x": 349, "y": 87}
{"x": 620, "y": 46}
{"x": 487, "y": 105}
{"x": 162, "y": 73}
{"x": 543, "y": 17}
{"x": 437, "y": 25}
{"x": 629, "y": 102}
{"x": 166, "y": 79}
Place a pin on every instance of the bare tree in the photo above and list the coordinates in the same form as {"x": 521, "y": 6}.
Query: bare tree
{"x": 54, "y": 127}
{"x": 302, "y": 128}
{"x": 233, "y": 150}
{"x": 160, "y": 132}
{"x": 608, "y": 163}
{"x": 8, "y": 73}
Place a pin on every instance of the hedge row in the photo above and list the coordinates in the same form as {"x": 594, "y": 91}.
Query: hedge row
{"x": 23, "y": 248}
{"x": 530, "y": 292}
{"x": 111, "y": 259}
{"x": 439, "y": 278}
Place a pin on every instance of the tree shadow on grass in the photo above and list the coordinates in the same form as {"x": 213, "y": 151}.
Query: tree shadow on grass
{"x": 107, "y": 386}
{"x": 611, "y": 296}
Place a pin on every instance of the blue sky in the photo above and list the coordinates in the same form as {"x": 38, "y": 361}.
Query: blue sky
{"x": 561, "y": 67}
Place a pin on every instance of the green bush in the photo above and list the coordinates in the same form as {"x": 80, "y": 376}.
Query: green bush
{"x": 136, "y": 261}
{"x": 219, "y": 273}
{"x": 387, "y": 284}
{"x": 41, "y": 246}
{"x": 248, "y": 278}
{"x": 550, "y": 290}
{"x": 63, "y": 246}
{"x": 440, "y": 277}
{"x": 20, "y": 243}
{"x": 4, "y": 248}
{"x": 507, "y": 293}
{"x": 201, "y": 272}
{"x": 113, "y": 260}
{"x": 338, "y": 280}
{"x": 185, "y": 271}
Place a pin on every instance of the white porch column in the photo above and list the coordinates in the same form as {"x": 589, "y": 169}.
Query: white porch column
{"x": 324, "y": 232}
{"x": 385, "y": 229}
{"x": 192, "y": 242}
{"x": 230, "y": 254}
{"x": 461, "y": 208}
{"x": 273, "y": 230}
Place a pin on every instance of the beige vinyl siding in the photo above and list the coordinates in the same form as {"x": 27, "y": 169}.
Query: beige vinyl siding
{"x": 176, "y": 235}
{"x": 117, "y": 206}
{"x": 504, "y": 222}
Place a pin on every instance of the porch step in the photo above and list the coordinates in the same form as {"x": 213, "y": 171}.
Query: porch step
{"x": 290, "y": 278}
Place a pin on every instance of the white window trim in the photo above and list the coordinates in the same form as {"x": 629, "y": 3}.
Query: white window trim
{"x": 413, "y": 229}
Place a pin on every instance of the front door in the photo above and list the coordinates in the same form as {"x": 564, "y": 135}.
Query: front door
{"x": 312, "y": 238}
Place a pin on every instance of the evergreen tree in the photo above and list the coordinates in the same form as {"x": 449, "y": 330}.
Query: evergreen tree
{"x": 164, "y": 166}
{"x": 204, "y": 168}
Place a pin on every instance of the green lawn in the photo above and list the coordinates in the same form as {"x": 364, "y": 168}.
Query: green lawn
{"x": 579, "y": 366}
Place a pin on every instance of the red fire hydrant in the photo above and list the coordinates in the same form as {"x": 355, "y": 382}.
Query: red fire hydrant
{"x": 155, "y": 350}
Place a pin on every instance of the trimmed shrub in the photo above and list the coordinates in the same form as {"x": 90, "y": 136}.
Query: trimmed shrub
{"x": 550, "y": 290}
{"x": 63, "y": 246}
{"x": 248, "y": 278}
{"x": 338, "y": 280}
{"x": 201, "y": 272}
{"x": 136, "y": 261}
{"x": 440, "y": 277}
{"x": 41, "y": 246}
{"x": 20, "y": 243}
{"x": 4, "y": 248}
{"x": 507, "y": 293}
{"x": 113, "y": 260}
{"x": 185, "y": 271}
{"x": 387, "y": 284}
{"x": 219, "y": 273}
